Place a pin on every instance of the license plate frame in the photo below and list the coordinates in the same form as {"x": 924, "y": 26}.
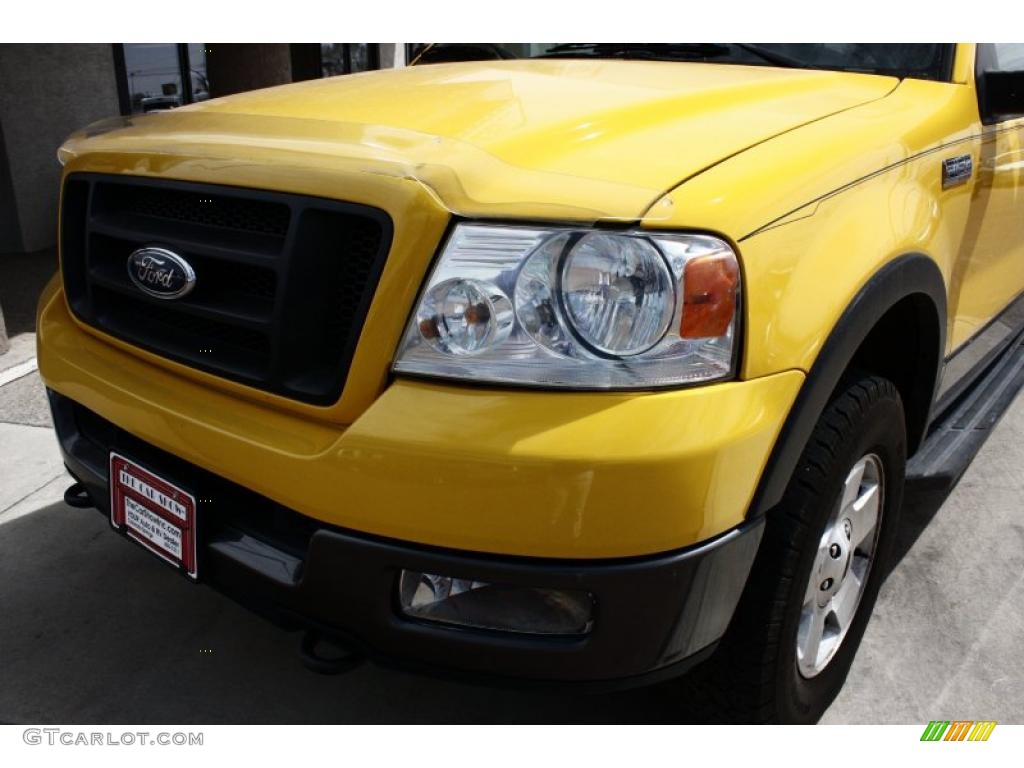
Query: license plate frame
{"x": 154, "y": 512}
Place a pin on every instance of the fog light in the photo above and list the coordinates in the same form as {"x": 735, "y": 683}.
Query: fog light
{"x": 500, "y": 607}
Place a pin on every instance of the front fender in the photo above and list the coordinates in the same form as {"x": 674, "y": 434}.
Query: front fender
{"x": 908, "y": 275}
{"x": 819, "y": 282}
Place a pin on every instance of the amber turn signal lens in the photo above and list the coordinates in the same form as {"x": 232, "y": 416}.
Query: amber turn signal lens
{"x": 710, "y": 286}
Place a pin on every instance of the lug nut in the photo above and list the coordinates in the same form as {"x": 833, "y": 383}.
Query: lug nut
{"x": 826, "y": 585}
{"x": 834, "y": 551}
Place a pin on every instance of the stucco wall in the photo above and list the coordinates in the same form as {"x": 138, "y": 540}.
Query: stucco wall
{"x": 46, "y": 92}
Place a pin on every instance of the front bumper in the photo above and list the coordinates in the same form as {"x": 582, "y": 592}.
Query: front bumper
{"x": 506, "y": 472}
{"x": 654, "y": 616}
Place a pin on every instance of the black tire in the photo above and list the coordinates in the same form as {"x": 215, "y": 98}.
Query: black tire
{"x": 754, "y": 675}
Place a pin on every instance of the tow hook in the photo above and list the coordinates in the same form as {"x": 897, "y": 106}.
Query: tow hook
{"x": 78, "y": 497}
{"x": 343, "y": 660}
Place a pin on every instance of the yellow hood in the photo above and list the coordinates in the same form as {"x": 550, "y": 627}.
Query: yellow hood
{"x": 576, "y": 138}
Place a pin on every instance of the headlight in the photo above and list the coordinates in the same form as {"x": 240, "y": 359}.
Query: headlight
{"x": 580, "y": 308}
{"x": 463, "y": 317}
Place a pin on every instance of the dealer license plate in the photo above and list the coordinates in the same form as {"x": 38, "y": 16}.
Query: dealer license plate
{"x": 155, "y": 512}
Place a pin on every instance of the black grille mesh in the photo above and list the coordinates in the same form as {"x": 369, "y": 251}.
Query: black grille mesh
{"x": 283, "y": 282}
{"x": 205, "y": 209}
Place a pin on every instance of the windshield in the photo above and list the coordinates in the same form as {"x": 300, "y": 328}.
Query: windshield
{"x": 930, "y": 61}
{"x": 922, "y": 60}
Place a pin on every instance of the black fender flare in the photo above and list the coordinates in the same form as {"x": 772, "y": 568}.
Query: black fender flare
{"x": 899, "y": 279}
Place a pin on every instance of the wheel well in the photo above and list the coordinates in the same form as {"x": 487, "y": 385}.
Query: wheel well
{"x": 904, "y": 347}
{"x": 894, "y": 327}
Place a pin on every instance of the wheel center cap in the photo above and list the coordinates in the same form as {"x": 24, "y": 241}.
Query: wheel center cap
{"x": 836, "y": 562}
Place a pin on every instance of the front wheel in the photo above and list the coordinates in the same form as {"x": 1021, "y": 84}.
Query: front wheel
{"x": 821, "y": 562}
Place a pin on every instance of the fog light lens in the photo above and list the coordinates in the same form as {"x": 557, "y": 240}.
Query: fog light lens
{"x": 500, "y": 607}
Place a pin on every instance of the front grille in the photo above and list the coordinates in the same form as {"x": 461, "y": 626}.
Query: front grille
{"x": 283, "y": 282}
{"x": 212, "y": 210}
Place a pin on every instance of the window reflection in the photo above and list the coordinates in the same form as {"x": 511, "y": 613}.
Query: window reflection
{"x": 197, "y": 68}
{"x": 345, "y": 58}
{"x": 154, "y": 76}
{"x": 153, "y": 72}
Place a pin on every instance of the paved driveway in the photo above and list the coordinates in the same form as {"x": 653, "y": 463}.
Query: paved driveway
{"x": 94, "y": 630}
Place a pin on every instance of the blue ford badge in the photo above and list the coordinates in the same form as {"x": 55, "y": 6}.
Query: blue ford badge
{"x": 161, "y": 273}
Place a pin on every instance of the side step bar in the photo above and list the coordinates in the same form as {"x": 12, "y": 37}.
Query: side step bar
{"x": 960, "y": 432}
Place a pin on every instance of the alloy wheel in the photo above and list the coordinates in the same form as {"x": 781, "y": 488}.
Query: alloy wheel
{"x": 841, "y": 568}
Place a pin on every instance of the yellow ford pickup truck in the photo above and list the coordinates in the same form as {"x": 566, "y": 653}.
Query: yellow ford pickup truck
{"x": 594, "y": 367}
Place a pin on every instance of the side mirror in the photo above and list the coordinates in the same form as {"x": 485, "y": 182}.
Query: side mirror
{"x": 1001, "y": 95}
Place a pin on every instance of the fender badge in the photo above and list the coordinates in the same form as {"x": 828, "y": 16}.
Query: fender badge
{"x": 956, "y": 170}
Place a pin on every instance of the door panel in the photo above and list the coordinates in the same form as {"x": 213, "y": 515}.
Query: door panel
{"x": 991, "y": 272}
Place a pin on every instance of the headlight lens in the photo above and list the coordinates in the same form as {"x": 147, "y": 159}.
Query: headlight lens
{"x": 576, "y": 308}
{"x": 618, "y": 292}
{"x": 464, "y": 317}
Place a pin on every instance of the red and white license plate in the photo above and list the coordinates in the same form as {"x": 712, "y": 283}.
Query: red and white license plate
{"x": 156, "y": 513}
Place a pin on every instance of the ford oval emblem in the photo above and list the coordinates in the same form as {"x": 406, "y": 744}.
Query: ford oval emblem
{"x": 161, "y": 273}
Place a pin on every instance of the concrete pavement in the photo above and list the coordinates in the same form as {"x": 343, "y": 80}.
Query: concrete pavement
{"x": 95, "y": 630}
{"x": 947, "y": 633}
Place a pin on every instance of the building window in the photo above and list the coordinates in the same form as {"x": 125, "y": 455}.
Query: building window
{"x": 442, "y": 53}
{"x": 346, "y": 58}
{"x": 156, "y": 76}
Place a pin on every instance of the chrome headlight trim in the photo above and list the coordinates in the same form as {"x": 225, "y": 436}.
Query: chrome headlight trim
{"x": 546, "y": 349}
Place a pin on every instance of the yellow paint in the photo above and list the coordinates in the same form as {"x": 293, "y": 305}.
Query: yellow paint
{"x": 529, "y": 473}
{"x": 819, "y": 177}
{"x": 820, "y": 209}
{"x": 991, "y": 271}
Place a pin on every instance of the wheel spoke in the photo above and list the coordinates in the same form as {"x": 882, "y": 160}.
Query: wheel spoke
{"x": 863, "y": 514}
{"x": 811, "y": 594}
{"x": 844, "y": 604}
{"x": 851, "y": 489}
{"x": 812, "y": 631}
